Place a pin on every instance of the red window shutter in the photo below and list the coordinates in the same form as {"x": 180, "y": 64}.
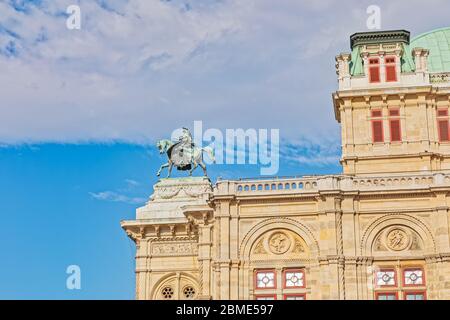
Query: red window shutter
{"x": 377, "y": 130}
{"x": 443, "y": 130}
{"x": 442, "y": 113}
{"x": 395, "y": 130}
{"x": 390, "y": 60}
{"x": 391, "y": 74}
{"x": 376, "y": 113}
{"x": 394, "y": 113}
{"x": 374, "y": 74}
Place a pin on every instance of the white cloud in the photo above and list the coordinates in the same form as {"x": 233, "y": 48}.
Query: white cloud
{"x": 140, "y": 68}
{"x": 303, "y": 151}
{"x": 132, "y": 183}
{"x": 117, "y": 197}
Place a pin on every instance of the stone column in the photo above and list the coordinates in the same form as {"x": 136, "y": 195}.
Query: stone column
{"x": 224, "y": 250}
{"x": 330, "y": 262}
{"x": 204, "y": 258}
{"x": 440, "y": 223}
{"x": 141, "y": 270}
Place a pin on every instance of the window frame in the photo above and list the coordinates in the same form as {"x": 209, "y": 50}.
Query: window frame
{"x": 377, "y": 118}
{"x": 294, "y": 295}
{"x": 274, "y": 296}
{"x": 384, "y": 269}
{"x": 376, "y": 66}
{"x": 442, "y": 109}
{"x": 255, "y": 278}
{"x": 413, "y": 268}
{"x": 395, "y": 118}
{"x": 415, "y": 292}
{"x": 373, "y": 130}
{"x": 299, "y": 270}
{"x": 440, "y": 119}
{"x": 379, "y": 293}
{"x": 390, "y": 64}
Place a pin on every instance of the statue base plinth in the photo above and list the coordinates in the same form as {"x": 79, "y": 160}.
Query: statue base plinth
{"x": 170, "y": 194}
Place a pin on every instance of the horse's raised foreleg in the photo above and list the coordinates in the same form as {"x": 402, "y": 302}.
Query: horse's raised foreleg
{"x": 162, "y": 167}
{"x": 170, "y": 165}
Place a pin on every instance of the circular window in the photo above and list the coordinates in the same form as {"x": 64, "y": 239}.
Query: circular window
{"x": 167, "y": 292}
{"x": 189, "y": 292}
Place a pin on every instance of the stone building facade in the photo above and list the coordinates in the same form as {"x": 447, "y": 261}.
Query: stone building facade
{"x": 380, "y": 230}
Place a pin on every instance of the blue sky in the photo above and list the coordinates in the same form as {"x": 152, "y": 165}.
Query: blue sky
{"x": 80, "y": 111}
{"x": 54, "y": 215}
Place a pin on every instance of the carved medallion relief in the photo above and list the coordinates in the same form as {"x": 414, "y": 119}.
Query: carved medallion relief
{"x": 279, "y": 243}
{"x": 397, "y": 239}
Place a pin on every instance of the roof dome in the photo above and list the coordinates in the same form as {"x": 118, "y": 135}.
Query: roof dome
{"x": 438, "y": 42}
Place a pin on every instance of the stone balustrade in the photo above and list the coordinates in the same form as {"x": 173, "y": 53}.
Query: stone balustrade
{"x": 311, "y": 184}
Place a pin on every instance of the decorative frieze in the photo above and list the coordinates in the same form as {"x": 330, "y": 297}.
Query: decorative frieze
{"x": 438, "y": 78}
{"x": 174, "y": 248}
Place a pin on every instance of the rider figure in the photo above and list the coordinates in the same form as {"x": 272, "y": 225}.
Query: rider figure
{"x": 186, "y": 137}
{"x": 186, "y": 141}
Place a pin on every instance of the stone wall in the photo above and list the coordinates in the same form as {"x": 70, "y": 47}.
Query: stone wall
{"x": 339, "y": 230}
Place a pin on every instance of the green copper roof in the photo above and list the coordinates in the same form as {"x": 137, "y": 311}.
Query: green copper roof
{"x": 362, "y": 38}
{"x": 438, "y": 42}
{"x": 356, "y": 64}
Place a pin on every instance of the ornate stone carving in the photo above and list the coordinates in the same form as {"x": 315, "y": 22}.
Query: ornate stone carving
{"x": 174, "y": 249}
{"x": 379, "y": 246}
{"x": 172, "y": 195}
{"x": 279, "y": 243}
{"x": 398, "y": 239}
{"x": 259, "y": 248}
{"x": 415, "y": 243}
{"x": 298, "y": 247}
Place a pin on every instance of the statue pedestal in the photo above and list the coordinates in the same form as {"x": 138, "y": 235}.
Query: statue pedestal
{"x": 162, "y": 231}
{"x": 173, "y": 193}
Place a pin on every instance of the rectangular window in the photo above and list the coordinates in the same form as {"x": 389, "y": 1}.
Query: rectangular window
{"x": 374, "y": 70}
{"x": 413, "y": 277}
{"x": 394, "y": 125}
{"x": 394, "y": 112}
{"x": 265, "y": 279}
{"x": 395, "y": 130}
{"x": 377, "y": 131}
{"x": 391, "y": 72}
{"x": 420, "y": 295}
{"x": 443, "y": 129}
{"x": 294, "y": 278}
{"x": 386, "y": 295}
{"x": 410, "y": 287}
{"x": 294, "y": 297}
{"x": 266, "y": 297}
{"x": 385, "y": 278}
{"x": 376, "y": 114}
{"x": 442, "y": 113}
{"x": 377, "y": 126}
